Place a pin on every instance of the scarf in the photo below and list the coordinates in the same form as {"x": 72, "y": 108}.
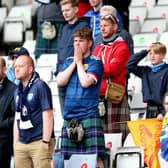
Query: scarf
{"x": 110, "y": 40}
{"x": 156, "y": 68}
{"x": 23, "y": 109}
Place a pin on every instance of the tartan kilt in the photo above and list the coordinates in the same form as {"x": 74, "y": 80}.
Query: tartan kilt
{"x": 45, "y": 46}
{"x": 93, "y": 140}
{"x": 115, "y": 121}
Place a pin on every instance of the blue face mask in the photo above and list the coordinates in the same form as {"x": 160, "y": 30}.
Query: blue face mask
{"x": 156, "y": 68}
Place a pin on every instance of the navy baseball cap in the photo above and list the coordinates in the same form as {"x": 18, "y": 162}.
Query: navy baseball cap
{"x": 18, "y": 51}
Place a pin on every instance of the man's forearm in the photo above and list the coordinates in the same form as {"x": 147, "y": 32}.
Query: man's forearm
{"x": 63, "y": 77}
{"x": 85, "y": 79}
{"x": 47, "y": 124}
{"x": 15, "y": 133}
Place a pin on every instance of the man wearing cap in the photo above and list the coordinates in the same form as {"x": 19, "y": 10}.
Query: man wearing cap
{"x": 13, "y": 54}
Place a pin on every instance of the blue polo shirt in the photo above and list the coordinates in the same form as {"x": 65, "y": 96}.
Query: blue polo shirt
{"x": 83, "y": 102}
{"x": 39, "y": 99}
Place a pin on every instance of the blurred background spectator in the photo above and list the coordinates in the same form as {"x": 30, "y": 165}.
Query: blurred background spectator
{"x": 123, "y": 9}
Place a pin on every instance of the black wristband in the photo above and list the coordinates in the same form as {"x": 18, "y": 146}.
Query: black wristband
{"x": 46, "y": 142}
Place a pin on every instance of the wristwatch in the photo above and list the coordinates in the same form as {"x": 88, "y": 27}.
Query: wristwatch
{"x": 46, "y": 142}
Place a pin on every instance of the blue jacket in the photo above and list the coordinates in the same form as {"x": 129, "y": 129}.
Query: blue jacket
{"x": 94, "y": 21}
{"x": 154, "y": 84}
{"x": 65, "y": 46}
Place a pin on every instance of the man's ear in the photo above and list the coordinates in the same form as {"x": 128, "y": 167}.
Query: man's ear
{"x": 31, "y": 69}
{"x": 164, "y": 55}
{"x": 115, "y": 27}
{"x": 76, "y": 9}
{"x": 90, "y": 43}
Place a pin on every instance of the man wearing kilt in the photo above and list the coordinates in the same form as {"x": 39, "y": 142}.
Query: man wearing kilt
{"x": 82, "y": 76}
{"x": 114, "y": 53}
{"x": 48, "y": 13}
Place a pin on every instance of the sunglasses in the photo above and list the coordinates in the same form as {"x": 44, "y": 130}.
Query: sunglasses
{"x": 14, "y": 57}
{"x": 109, "y": 16}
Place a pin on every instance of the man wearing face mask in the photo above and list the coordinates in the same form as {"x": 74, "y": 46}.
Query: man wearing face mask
{"x": 7, "y": 110}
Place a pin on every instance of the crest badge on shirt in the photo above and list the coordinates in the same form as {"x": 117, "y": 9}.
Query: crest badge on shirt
{"x": 30, "y": 96}
{"x": 85, "y": 66}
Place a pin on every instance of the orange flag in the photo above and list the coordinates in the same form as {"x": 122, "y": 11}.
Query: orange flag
{"x": 146, "y": 133}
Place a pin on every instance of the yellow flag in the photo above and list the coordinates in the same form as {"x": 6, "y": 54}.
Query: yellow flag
{"x": 146, "y": 133}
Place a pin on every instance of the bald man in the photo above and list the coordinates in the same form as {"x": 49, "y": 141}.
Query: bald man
{"x": 33, "y": 128}
{"x": 7, "y": 111}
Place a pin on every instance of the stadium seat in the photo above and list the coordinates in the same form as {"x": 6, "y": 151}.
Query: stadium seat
{"x": 47, "y": 60}
{"x": 82, "y": 161}
{"x": 112, "y": 142}
{"x": 13, "y": 30}
{"x": 137, "y": 107}
{"x": 134, "y": 84}
{"x": 24, "y": 12}
{"x": 53, "y": 86}
{"x": 58, "y": 120}
{"x": 129, "y": 141}
{"x": 134, "y": 26}
{"x": 158, "y": 25}
{"x": 158, "y": 11}
{"x": 23, "y": 2}
{"x": 147, "y": 3}
{"x": 145, "y": 39}
{"x": 45, "y": 72}
{"x": 164, "y": 39}
{"x": 138, "y": 13}
{"x": 162, "y": 2}
{"x": 129, "y": 157}
{"x": 3, "y": 14}
{"x": 30, "y": 46}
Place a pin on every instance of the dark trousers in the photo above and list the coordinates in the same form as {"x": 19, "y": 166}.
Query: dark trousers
{"x": 6, "y": 151}
{"x": 61, "y": 92}
{"x": 153, "y": 111}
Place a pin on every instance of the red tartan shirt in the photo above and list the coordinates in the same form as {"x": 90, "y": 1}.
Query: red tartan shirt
{"x": 114, "y": 55}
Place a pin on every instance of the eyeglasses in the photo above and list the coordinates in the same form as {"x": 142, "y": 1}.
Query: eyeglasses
{"x": 109, "y": 16}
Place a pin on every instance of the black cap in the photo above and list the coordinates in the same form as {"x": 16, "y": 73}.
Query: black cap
{"x": 19, "y": 51}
